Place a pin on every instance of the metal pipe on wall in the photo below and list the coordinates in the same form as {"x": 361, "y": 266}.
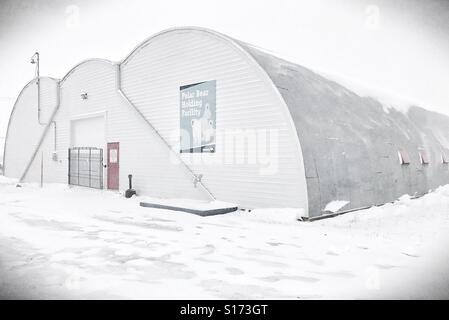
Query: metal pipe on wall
{"x": 38, "y": 82}
{"x": 42, "y": 169}
{"x": 54, "y": 146}
{"x": 41, "y": 139}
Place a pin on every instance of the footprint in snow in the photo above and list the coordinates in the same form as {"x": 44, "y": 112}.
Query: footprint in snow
{"x": 316, "y": 262}
{"x": 294, "y": 278}
{"x": 336, "y": 251}
{"x": 411, "y": 252}
{"x": 337, "y": 274}
{"x": 386, "y": 266}
{"x": 234, "y": 271}
{"x": 333, "y": 251}
{"x": 209, "y": 249}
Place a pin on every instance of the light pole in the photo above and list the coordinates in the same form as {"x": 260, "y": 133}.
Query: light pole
{"x": 35, "y": 60}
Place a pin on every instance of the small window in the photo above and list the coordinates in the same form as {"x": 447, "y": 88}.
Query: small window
{"x": 445, "y": 156}
{"x": 423, "y": 157}
{"x": 403, "y": 157}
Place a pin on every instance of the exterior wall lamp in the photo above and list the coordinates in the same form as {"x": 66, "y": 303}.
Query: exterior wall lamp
{"x": 35, "y": 60}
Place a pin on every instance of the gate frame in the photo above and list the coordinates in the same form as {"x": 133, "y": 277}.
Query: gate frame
{"x": 101, "y": 173}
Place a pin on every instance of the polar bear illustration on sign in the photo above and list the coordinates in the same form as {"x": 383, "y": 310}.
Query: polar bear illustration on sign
{"x": 203, "y": 128}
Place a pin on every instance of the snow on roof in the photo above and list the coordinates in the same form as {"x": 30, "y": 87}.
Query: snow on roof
{"x": 387, "y": 99}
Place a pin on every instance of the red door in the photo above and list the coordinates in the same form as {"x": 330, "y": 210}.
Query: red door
{"x": 113, "y": 165}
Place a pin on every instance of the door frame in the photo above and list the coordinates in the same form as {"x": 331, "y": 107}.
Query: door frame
{"x": 108, "y": 164}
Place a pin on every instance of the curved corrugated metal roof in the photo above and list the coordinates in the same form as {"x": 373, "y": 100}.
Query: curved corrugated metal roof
{"x": 74, "y": 68}
{"x": 350, "y": 142}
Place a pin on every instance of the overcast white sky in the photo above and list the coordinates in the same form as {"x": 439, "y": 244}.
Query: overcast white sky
{"x": 401, "y": 46}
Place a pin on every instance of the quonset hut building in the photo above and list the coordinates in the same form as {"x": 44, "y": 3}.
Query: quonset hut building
{"x": 192, "y": 113}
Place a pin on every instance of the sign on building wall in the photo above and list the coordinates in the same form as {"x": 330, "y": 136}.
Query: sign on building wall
{"x": 197, "y": 117}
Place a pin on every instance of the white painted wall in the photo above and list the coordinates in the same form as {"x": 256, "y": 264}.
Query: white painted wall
{"x": 24, "y": 131}
{"x": 142, "y": 153}
{"x": 246, "y": 99}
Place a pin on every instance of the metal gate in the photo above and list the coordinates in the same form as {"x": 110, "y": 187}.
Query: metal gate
{"x": 86, "y": 167}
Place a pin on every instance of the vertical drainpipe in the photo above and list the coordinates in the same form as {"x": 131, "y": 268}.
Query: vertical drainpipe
{"x": 58, "y": 102}
{"x": 39, "y": 99}
{"x": 42, "y": 137}
{"x": 54, "y": 142}
{"x": 42, "y": 169}
{"x": 196, "y": 179}
{"x": 38, "y": 90}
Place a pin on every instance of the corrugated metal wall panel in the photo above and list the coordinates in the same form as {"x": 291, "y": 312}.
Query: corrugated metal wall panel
{"x": 142, "y": 153}
{"x": 51, "y": 169}
{"x": 24, "y": 130}
{"x": 350, "y": 143}
{"x": 48, "y": 98}
{"x": 151, "y": 78}
{"x": 246, "y": 100}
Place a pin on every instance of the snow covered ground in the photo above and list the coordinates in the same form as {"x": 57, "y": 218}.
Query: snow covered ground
{"x": 62, "y": 242}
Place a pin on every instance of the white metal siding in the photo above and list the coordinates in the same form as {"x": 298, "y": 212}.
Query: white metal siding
{"x": 151, "y": 78}
{"x": 142, "y": 153}
{"x": 48, "y": 98}
{"x": 88, "y": 132}
{"x": 24, "y": 131}
{"x": 51, "y": 169}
